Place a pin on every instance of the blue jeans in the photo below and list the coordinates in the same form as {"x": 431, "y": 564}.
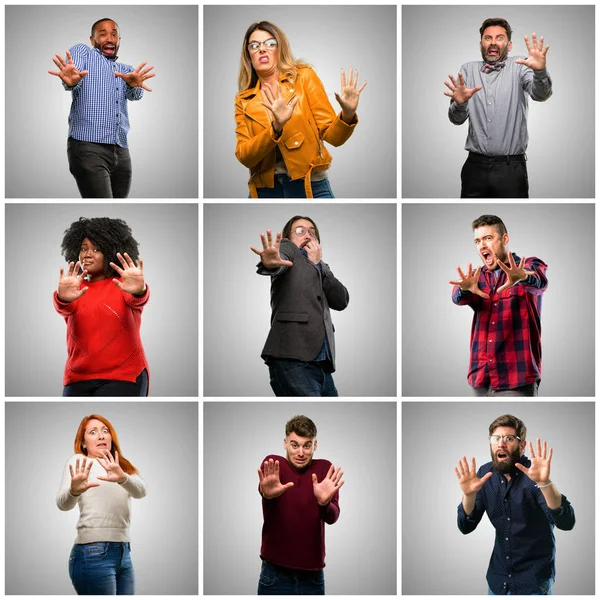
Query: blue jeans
{"x": 286, "y": 188}
{"x": 102, "y": 568}
{"x": 545, "y": 589}
{"x": 297, "y": 378}
{"x": 275, "y": 581}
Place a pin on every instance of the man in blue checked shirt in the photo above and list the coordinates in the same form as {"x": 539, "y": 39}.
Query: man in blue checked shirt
{"x": 523, "y": 505}
{"x": 98, "y": 122}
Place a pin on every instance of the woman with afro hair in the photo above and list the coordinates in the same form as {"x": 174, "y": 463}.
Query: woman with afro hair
{"x": 102, "y": 305}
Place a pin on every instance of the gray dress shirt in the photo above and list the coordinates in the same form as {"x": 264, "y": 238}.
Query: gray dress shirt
{"x": 498, "y": 113}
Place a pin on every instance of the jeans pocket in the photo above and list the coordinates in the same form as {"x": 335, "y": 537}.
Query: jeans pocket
{"x": 95, "y": 551}
{"x": 268, "y": 576}
{"x": 318, "y": 578}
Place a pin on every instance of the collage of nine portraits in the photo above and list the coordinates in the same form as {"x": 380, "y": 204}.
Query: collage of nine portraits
{"x": 212, "y": 210}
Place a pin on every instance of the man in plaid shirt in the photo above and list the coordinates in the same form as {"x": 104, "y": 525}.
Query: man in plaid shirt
{"x": 99, "y": 121}
{"x": 506, "y": 297}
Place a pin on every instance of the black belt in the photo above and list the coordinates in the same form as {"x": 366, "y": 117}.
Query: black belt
{"x": 488, "y": 159}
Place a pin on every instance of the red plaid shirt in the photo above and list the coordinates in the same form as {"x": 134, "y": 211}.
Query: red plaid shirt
{"x": 506, "y": 347}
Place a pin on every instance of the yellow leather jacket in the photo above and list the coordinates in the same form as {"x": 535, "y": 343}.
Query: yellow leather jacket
{"x": 300, "y": 144}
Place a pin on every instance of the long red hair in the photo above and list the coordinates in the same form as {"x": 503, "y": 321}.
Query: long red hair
{"x": 79, "y": 437}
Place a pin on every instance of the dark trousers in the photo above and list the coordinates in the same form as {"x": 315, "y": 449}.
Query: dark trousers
{"x": 531, "y": 389}
{"x": 109, "y": 387}
{"x": 297, "y": 378}
{"x": 494, "y": 177}
{"x": 279, "y": 581}
{"x": 100, "y": 170}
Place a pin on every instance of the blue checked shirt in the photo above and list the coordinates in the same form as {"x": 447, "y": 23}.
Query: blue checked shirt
{"x": 523, "y": 557}
{"x": 99, "y": 108}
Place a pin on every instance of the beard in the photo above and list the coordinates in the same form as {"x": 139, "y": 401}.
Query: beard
{"x": 502, "y": 54}
{"x": 505, "y": 466}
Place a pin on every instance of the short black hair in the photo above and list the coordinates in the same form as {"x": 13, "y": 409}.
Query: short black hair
{"x": 108, "y": 235}
{"x": 302, "y": 426}
{"x": 287, "y": 229}
{"x": 489, "y": 220}
{"x": 496, "y": 21}
{"x": 100, "y": 21}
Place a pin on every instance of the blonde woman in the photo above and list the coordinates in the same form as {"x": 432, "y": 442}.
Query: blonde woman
{"x": 283, "y": 116}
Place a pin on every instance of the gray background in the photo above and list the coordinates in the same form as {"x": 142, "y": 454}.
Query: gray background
{"x": 328, "y": 38}
{"x": 163, "y": 139}
{"x": 359, "y": 244}
{"x": 360, "y": 437}
{"x": 160, "y": 439}
{"x": 443, "y": 433}
{"x": 436, "y": 332}
{"x": 437, "y": 40}
{"x": 36, "y": 349}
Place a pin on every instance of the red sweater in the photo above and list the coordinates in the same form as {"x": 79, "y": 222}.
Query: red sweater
{"x": 103, "y": 334}
{"x": 293, "y": 533}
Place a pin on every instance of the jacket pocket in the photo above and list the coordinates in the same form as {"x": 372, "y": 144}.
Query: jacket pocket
{"x": 295, "y": 141}
{"x": 293, "y": 317}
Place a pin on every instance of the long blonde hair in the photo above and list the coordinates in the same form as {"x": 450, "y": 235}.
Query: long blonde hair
{"x": 286, "y": 63}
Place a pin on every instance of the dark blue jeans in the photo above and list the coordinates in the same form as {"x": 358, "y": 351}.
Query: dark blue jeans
{"x": 297, "y": 378}
{"x": 109, "y": 387}
{"x": 545, "y": 589}
{"x": 275, "y": 581}
{"x": 286, "y": 188}
{"x": 102, "y": 568}
{"x": 100, "y": 170}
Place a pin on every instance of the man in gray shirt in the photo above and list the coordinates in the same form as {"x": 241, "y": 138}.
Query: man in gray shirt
{"x": 492, "y": 94}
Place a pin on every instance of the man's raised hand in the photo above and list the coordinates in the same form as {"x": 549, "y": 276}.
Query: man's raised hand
{"x": 269, "y": 256}
{"x": 467, "y": 478}
{"x": 331, "y": 483}
{"x": 270, "y": 484}
{"x": 460, "y": 92}
{"x": 514, "y": 273}
{"x": 468, "y": 282}
{"x": 537, "y": 54}
{"x": 69, "y": 285}
{"x": 539, "y": 471}
{"x": 68, "y": 72}
{"x": 137, "y": 77}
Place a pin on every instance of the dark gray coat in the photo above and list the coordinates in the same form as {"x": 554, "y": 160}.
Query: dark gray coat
{"x": 301, "y": 297}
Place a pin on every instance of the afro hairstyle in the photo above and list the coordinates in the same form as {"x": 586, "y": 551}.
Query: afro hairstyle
{"x": 108, "y": 235}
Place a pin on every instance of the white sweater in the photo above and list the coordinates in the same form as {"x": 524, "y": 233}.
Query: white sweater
{"x": 104, "y": 511}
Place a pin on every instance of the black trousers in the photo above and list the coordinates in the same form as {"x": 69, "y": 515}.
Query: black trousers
{"x": 100, "y": 170}
{"x": 494, "y": 177}
{"x": 109, "y": 387}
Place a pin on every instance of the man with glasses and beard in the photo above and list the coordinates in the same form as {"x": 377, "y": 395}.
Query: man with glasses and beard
{"x": 523, "y": 505}
{"x": 506, "y": 297}
{"x": 299, "y": 495}
{"x": 497, "y": 138}
{"x": 300, "y": 348}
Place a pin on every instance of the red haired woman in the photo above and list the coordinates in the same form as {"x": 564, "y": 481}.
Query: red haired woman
{"x": 101, "y": 481}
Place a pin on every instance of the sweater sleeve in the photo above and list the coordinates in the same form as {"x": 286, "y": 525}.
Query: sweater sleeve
{"x": 331, "y": 513}
{"x": 137, "y": 302}
{"x": 64, "y": 499}
{"x": 135, "y": 486}
{"x": 64, "y": 308}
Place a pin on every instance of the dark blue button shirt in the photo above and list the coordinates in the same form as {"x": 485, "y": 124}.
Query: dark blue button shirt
{"x": 524, "y": 551}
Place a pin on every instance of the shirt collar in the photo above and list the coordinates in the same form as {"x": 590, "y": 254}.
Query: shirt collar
{"x": 113, "y": 59}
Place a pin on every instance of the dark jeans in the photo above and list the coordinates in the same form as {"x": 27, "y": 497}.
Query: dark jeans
{"x": 526, "y": 390}
{"x": 102, "y": 569}
{"x": 545, "y": 589}
{"x": 109, "y": 387}
{"x": 286, "y": 188}
{"x": 494, "y": 177}
{"x": 101, "y": 170}
{"x": 297, "y": 378}
{"x": 276, "y": 580}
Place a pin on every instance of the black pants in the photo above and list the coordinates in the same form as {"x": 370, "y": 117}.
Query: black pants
{"x": 109, "y": 387}
{"x": 101, "y": 170}
{"x": 494, "y": 177}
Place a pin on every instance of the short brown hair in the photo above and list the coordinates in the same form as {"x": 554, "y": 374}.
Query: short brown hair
{"x": 510, "y": 421}
{"x": 287, "y": 230}
{"x": 489, "y": 220}
{"x": 302, "y": 426}
{"x": 496, "y": 21}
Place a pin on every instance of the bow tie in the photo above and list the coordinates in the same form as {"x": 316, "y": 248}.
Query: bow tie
{"x": 490, "y": 67}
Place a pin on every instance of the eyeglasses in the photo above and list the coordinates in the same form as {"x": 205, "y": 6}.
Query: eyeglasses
{"x": 508, "y": 439}
{"x": 270, "y": 44}
{"x": 302, "y": 230}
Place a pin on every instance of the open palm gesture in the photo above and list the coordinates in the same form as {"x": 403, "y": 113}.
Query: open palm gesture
{"x": 459, "y": 92}
{"x": 331, "y": 483}
{"x": 69, "y": 285}
{"x": 469, "y": 282}
{"x": 350, "y": 95}
{"x": 467, "y": 477}
{"x": 539, "y": 471}
{"x": 132, "y": 276}
{"x": 274, "y": 102}
{"x": 270, "y": 484}
{"x": 269, "y": 256}
{"x": 137, "y": 77}
{"x": 68, "y": 72}
{"x": 537, "y": 54}
{"x": 110, "y": 464}
{"x": 514, "y": 272}
{"x": 80, "y": 476}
